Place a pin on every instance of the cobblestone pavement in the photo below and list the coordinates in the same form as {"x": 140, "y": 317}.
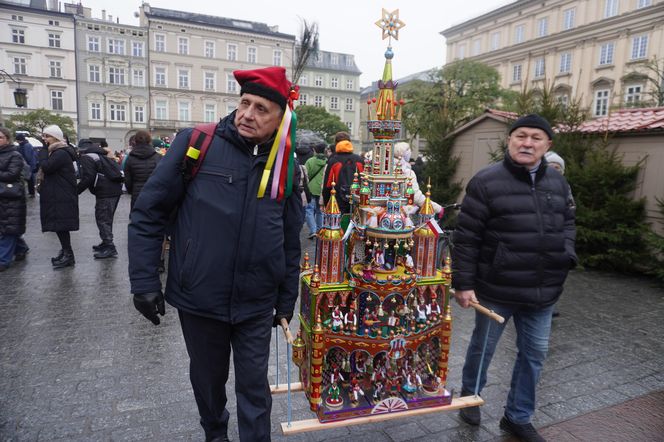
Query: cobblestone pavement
{"x": 79, "y": 363}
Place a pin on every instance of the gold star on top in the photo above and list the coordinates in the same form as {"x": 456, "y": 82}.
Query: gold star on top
{"x": 390, "y": 24}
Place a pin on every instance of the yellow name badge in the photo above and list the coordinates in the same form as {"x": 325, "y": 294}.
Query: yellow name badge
{"x": 193, "y": 153}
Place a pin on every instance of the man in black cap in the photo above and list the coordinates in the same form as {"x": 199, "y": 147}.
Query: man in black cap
{"x": 233, "y": 269}
{"x": 513, "y": 247}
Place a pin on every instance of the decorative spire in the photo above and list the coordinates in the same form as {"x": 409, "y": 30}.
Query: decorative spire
{"x": 427, "y": 207}
{"x": 332, "y": 207}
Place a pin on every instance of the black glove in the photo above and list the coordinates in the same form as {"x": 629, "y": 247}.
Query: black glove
{"x": 277, "y": 318}
{"x": 149, "y": 304}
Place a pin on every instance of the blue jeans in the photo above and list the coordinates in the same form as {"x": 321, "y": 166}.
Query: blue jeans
{"x": 313, "y": 215}
{"x": 533, "y": 327}
{"x": 10, "y": 245}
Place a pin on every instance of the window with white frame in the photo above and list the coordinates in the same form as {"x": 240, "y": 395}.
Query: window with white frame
{"x": 350, "y": 84}
{"x": 54, "y": 23}
{"x": 633, "y": 94}
{"x": 565, "y": 62}
{"x": 643, "y": 3}
{"x": 334, "y": 82}
{"x": 477, "y": 47}
{"x": 54, "y": 40}
{"x": 606, "y": 53}
{"x": 117, "y": 112}
{"x": 539, "y": 67}
{"x": 94, "y": 73}
{"x": 160, "y": 43}
{"x": 116, "y": 75}
{"x": 349, "y": 124}
{"x": 55, "y": 69}
{"x": 210, "y": 81}
{"x": 95, "y": 111}
{"x": 57, "y": 100}
{"x": 252, "y": 54}
{"x": 18, "y": 36}
{"x": 334, "y": 59}
{"x": 139, "y": 114}
{"x": 230, "y": 108}
{"x": 543, "y": 27}
{"x": 183, "y": 45}
{"x": 138, "y": 78}
{"x": 610, "y": 8}
{"x": 304, "y": 80}
{"x": 318, "y": 101}
{"x": 516, "y": 72}
{"x": 569, "y": 16}
{"x": 94, "y": 43}
{"x": 183, "y": 78}
{"x": 210, "y": 113}
{"x": 209, "y": 49}
{"x": 116, "y": 46}
{"x": 20, "y": 65}
{"x": 495, "y": 41}
{"x": 519, "y": 33}
{"x": 350, "y": 104}
{"x": 461, "y": 51}
{"x": 184, "y": 111}
{"x": 161, "y": 109}
{"x": 160, "y": 76}
{"x": 601, "y": 105}
{"x": 231, "y": 84}
{"x": 276, "y": 57}
{"x": 334, "y": 103}
{"x": 231, "y": 52}
{"x": 137, "y": 48}
{"x": 302, "y": 101}
{"x": 639, "y": 47}
{"x": 318, "y": 81}
{"x": 17, "y": 17}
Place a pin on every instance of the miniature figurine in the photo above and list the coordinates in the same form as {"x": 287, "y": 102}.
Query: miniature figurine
{"x": 356, "y": 391}
{"x": 337, "y": 319}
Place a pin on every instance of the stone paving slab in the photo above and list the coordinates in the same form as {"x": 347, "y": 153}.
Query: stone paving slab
{"x": 78, "y": 363}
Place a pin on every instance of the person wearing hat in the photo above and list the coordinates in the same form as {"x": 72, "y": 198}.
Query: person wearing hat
{"x": 58, "y": 197}
{"x": 513, "y": 248}
{"x": 233, "y": 269}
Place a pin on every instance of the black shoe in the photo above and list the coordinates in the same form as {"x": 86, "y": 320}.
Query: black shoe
{"x": 67, "y": 260}
{"x": 525, "y": 432}
{"x": 470, "y": 415}
{"x": 3, "y": 267}
{"x": 220, "y": 439}
{"x": 98, "y": 247}
{"x": 58, "y": 257}
{"x": 555, "y": 314}
{"x": 21, "y": 256}
{"x": 107, "y": 251}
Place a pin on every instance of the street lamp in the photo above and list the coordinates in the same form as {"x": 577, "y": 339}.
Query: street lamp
{"x": 20, "y": 94}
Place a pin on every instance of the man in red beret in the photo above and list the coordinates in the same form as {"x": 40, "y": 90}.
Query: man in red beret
{"x": 234, "y": 256}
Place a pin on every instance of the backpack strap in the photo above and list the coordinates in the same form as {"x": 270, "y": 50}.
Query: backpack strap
{"x": 199, "y": 142}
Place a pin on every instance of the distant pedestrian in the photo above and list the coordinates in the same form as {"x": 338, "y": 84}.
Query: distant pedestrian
{"x": 12, "y": 208}
{"x": 315, "y": 170}
{"x": 30, "y": 156}
{"x": 340, "y": 170}
{"x": 58, "y": 197}
{"x": 140, "y": 162}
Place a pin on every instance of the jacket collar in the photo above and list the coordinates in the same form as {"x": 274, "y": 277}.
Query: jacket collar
{"x": 522, "y": 172}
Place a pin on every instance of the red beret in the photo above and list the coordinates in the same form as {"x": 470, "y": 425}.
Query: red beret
{"x": 270, "y": 83}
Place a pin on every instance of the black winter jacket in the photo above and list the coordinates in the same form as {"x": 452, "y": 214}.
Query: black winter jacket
{"x": 92, "y": 175}
{"x": 514, "y": 242}
{"x": 139, "y": 166}
{"x": 233, "y": 256}
{"x": 58, "y": 198}
{"x": 12, "y": 211}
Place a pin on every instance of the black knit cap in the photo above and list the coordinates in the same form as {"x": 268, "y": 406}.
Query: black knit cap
{"x": 535, "y": 121}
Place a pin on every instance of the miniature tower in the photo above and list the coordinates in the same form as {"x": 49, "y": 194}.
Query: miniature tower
{"x": 330, "y": 256}
{"x": 424, "y": 249}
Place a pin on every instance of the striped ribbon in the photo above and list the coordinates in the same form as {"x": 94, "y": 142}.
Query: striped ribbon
{"x": 276, "y": 152}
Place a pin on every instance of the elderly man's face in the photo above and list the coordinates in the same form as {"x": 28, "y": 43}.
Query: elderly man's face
{"x": 527, "y": 146}
{"x": 257, "y": 118}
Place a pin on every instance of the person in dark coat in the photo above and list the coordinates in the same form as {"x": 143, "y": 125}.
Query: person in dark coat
{"x": 234, "y": 255}
{"x": 58, "y": 197}
{"x": 107, "y": 195}
{"x": 12, "y": 210}
{"x": 140, "y": 163}
{"x": 28, "y": 151}
{"x": 339, "y": 171}
{"x": 513, "y": 248}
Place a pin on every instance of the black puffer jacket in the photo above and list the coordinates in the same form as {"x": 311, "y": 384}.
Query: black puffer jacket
{"x": 58, "y": 198}
{"x": 92, "y": 174}
{"x": 139, "y": 166}
{"x": 514, "y": 242}
{"x": 12, "y": 211}
{"x": 233, "y": 256}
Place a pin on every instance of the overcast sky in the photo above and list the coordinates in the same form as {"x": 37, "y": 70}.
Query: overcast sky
{"x": 345, "y": 26}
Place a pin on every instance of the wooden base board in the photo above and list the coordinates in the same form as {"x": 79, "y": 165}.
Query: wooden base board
{"x": 306, "y": 425}
{"x": 283, "y": 388}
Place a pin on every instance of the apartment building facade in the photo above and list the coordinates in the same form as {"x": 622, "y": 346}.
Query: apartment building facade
{"x": 112, "y": 71}
{"x": 37, "y": 48}
{"x": 191, "y": 62}
{"x": 332, "y": 80}
{"x": 592, "y": 50}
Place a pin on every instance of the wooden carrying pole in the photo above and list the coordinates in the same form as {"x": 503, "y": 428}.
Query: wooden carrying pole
{"x": 287, "y": 333}
{"x": 485, "y": 311}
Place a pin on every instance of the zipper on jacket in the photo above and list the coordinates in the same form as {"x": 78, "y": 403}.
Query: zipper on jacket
{"x": 223, "y": 175}
{"x": 541, "y": 238}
